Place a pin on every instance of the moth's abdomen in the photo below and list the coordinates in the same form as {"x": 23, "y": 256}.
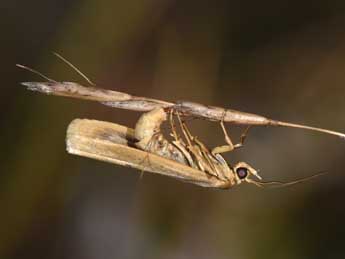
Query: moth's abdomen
{"x": 147, "y": 132}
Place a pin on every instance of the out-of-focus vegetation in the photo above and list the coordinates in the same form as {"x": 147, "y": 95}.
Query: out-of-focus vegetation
{"x": 282, "y": 59}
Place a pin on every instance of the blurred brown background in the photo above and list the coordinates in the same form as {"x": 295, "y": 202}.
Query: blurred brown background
{"x": 281, "y": 59}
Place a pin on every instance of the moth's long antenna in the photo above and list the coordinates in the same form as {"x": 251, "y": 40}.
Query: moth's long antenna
{"x": 278, "y": 184}
{"x": 74, "y": 68}
{"x": 35, "y": 72}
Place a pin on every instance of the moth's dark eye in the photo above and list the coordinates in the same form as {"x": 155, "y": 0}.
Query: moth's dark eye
{"x": 242, "y": 172}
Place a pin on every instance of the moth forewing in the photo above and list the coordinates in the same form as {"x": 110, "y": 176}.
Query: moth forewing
{"x": 113, "y": 143}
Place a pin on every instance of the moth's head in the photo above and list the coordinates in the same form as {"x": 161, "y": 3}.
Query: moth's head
{"x": 243, "y": 172}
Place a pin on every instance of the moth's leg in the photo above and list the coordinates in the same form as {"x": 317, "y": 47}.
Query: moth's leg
{"x": 191, "y": 149}
{"x": 230, "y": 146}
{"x": 178, "y": 142}
{"x": 208, "y": 157}
{"x": 182, "y": 148}
{"x": 173, "y": 127}
{"x": 244, "y": 135}
{"x": 188, "y": 136}
{"x": 198, "y": 150}
{"x": 193, "y": 142}
{"x": 225, "y": 148}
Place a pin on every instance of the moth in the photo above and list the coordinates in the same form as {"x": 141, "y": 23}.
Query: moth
{"x": 145, "y": 148}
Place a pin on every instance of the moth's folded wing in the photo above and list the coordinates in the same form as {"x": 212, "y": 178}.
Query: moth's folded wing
{"x": 114, "y": 143}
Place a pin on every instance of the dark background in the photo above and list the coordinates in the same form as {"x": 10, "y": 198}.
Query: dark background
{"x": 281, "y": 59}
